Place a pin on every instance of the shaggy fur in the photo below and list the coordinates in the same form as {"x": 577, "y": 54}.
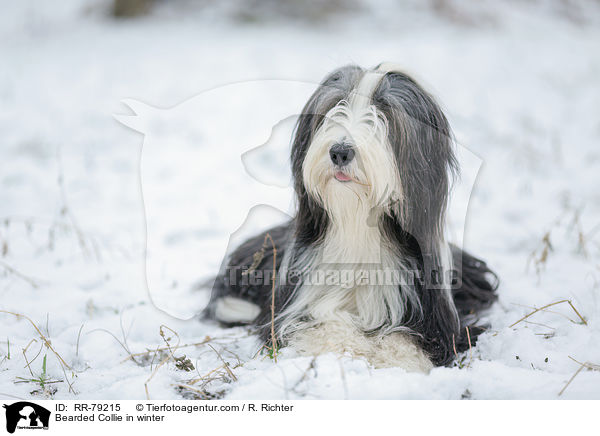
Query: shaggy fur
{"x": 364, "y": 267}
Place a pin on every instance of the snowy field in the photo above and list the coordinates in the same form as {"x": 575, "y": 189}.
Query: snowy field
{"x": 519, "y": 81}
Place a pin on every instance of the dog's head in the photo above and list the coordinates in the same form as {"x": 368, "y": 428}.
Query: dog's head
{"x": 373, "y": 139}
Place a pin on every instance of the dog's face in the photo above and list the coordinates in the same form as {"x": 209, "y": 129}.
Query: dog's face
{"x": 350, "y": 163}
{"x": 374, "y": 140}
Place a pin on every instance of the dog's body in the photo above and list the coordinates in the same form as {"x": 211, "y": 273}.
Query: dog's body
{"x": 364, "y": 267}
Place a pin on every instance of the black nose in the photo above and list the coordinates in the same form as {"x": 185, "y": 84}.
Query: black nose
{"x": 341, "y": 154}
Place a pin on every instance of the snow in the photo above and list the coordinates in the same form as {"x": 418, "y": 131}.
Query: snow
{"x": 519, "y": 83}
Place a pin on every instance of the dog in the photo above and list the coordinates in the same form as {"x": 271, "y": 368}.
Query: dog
{"x": 364, "y": 268}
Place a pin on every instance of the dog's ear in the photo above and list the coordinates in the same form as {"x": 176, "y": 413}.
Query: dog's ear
{"x": 334, "y": 88}
{"x": 312, "y": 219}
{"x": 421, "y": 139}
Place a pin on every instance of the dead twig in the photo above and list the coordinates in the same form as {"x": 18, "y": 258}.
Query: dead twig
{"x": 311, "y": 366}
{"x": 71, "y": 389}
{"x": 44, "y": 338}
{"x": 256, "y": 260}
{"x": 132, "y": 356}
{"x": 78, "y": 336}
{"x": 165, "y": 360}
{"x": 47, "y": 343}
{"x": 577, "y": 312}
{"x": 548, "y": 311}
{"x": 541, "y": 260}
{"x": 181, "y": 362}
{"x": 118, "y": 340}
{"x": 229, "y": 371}
{"x": 46, "y": 382}
{"x": 454, "y": 347}
{"x": 273, "y": 337}
{"x": 206, "y": 376}
{"x": 33, "y": 282}
{"x": 470, "y": 348}
{"x": 162, "y": 335}
{"x": 540, "y": 324}
{"x": 27, "y": 362}
{"x": 583, "y": 321}
{"x": 587, "y": 365}
{"x": 193, "y": 389}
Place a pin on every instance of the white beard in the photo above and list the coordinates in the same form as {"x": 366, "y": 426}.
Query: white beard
{"x": 351, "y": 285}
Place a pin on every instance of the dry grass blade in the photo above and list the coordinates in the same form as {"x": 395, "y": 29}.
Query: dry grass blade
{"x": 44, "y": 338}
{"x": 229, "y": 371}
{"x": 577, "y": 312}
{"x": 71, "y": 389}
{"x": 470, "y": 347}
{"x": 268, "y": 238}
{"x": 78, "y": 337}
{"x": 582, "y": 365}
{"x": 454, "y": 347}
{"x": 583, "y": 321}
{"x": 118, "y": 340}
{"x": 47, "y": 382}
{"x": 33, "y": 282}
{"x": 540, "y": 260}
{"x": 257, "y": 259}
{"x": 273, "y": 338}
{"x": 310, "y": 367}
{"x": 194, "y": 390}
{"x": 207, "y": 375}
{"x": 162, "y": 335}
{"x": 165, "y": 360}
{"x": 555, "y": 312}
{"x": 46, "y": 342}
{"x": 181, "y": 362}
{"x": 132, "y": 356}
{"x": 540, "y": 324}
{"x": 27, "y": 362}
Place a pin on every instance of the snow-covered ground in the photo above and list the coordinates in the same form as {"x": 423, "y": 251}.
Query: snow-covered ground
{"x": 520, "y": 83}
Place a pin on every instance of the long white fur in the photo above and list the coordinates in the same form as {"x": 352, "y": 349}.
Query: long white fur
{"x": 328, "y": 317}
{"x": 331, "y": 317}
{"x": 233, "y": 310}
{"x": 393, "y": 350}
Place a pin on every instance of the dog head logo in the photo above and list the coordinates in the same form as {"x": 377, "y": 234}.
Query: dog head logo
{"x": 26, "y": 415}
{"x": 215, "y": 170}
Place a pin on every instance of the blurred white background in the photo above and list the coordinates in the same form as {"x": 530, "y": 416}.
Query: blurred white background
{"x": 519, "y": 81}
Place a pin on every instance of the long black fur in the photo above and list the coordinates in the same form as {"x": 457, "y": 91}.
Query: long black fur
{"x": 421, "y": 139}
